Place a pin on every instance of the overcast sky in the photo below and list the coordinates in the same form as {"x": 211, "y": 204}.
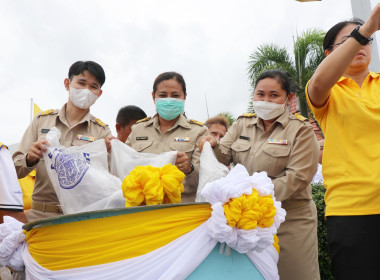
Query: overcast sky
{"x": 207, "y": 41}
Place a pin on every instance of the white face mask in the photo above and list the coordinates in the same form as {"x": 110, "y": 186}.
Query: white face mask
{"x": 82, "y": 97}
{"x": 268, "y": 110}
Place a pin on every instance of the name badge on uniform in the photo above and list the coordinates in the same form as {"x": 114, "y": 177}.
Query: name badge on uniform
{"x": 182, "y": 139}
{"x": 278, "y": 141}
{"x": 244, "y": 137}
{"x": 85, "y": 138}
{"x": 45, "y": 130}
{"x": 142, "y": 138}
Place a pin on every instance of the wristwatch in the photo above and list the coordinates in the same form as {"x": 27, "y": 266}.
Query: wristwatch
{"x": 192, "y": 168}
{"x": 359, "y": 37}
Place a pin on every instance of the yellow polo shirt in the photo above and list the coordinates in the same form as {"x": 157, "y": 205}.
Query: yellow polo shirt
{"x": 351, "y": 158}
{"x": 27, "y": 186}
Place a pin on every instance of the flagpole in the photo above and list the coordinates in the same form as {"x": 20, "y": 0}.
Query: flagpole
{"x": 31, "y": 109}
{"x": 208, "y": 116}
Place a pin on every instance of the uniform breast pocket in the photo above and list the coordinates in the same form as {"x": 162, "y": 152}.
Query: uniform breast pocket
{"x": 80, "y": 142}
{"x": 42, "y": 135}
{"x": 142, "y": 146}
{"x": 186, "y": 147}
{"x": 277, "y": 157}
{"x": 240, "y": 150}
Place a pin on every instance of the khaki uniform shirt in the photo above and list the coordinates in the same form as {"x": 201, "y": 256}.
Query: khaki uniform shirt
{"x": 146, "y": 137}
{"x": 37, "y": 130}
{"x": 288, "y": 152}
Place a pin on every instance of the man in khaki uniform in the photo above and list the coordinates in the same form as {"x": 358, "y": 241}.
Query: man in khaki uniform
{"x": 146, "y": 137}
{"x": 125, "y": 119}
{"x": 217, "y": 126}
{"x": 77, "y": 126}
{"x": 288, "y": 152}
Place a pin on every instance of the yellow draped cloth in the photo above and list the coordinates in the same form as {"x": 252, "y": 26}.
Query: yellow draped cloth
{"x": 110, "y": 239}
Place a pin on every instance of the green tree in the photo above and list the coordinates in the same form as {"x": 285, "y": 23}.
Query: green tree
{"x": 307, "y": 55}
{"x": 228, "y": 116}
{"x": 325, "y": 269}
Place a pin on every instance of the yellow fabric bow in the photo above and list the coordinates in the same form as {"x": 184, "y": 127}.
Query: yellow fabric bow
{"x": 153, "y": 185}
{"x": 249, "y": 211}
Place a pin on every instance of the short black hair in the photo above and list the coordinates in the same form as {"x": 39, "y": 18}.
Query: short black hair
{"x": 94, "y": 68}
{"x": 281, "y": 76}
{"x": 330, "y": 36}
{"x": 169, "y": 76}
{"x": 129, "y": 113}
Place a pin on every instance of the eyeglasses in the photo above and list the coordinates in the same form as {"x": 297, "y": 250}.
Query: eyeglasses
{"x": 370, "y": 39}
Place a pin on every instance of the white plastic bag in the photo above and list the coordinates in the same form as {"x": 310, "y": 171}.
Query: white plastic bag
{"x": 80, "y": 175}
{"x": 210, "y": 170}
{"x": 115, "y": 200}
{"x": 97, "y": 149}
{"x": 124, "y": 159}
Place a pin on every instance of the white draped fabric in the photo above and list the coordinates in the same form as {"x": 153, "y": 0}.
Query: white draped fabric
{"x": 11, "y": 240}
{"x": 176, "y": 260}
{"x": 179, "y": 258}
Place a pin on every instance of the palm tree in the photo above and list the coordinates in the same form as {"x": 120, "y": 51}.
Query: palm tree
{"x": 307, "y": 54}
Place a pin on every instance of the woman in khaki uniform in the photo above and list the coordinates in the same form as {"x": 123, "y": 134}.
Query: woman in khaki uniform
{"x": 284, "y": 145}
{"x": 170, "y": 130}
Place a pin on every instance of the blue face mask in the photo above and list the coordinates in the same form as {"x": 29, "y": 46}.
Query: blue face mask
{"x": 169, "y": 108}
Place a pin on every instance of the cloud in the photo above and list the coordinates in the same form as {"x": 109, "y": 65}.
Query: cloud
{"x": 209, "y": 42}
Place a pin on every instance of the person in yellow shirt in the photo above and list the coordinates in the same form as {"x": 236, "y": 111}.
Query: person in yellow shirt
{"x": 344, "y": 98}
{"x": 27, "y": 186}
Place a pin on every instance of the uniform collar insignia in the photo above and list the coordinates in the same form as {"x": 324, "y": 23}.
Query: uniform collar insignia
{"x": 182, "y": 121}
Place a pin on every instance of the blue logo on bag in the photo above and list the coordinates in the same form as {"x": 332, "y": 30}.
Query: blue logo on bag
{"x": 70, "y": 168}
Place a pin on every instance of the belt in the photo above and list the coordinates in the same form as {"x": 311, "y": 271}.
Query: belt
{"x": 46, "y": 207}
{"x": 295, "y": 203}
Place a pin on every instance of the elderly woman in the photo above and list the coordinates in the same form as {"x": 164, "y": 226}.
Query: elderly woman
{"x": 344, "y": 97}
{"x": 170, "y": 130}
{"x": 285, "y": 146}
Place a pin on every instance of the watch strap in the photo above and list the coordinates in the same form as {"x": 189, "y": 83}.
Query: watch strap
{"x": 192, "y": 168}
{"x": 359, "y": 37}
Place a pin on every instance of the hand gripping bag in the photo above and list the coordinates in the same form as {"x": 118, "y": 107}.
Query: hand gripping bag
{"x": 80, "y": 175}
{"x": 124, "y": 159}
{"x": 210, "y": 170}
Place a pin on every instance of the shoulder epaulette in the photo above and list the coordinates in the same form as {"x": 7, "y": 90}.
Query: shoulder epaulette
{"x": 247, "y": 115}
{"x": 300, "y": 117}
{"x": 196, "y": 122}
{"x": 99, "y": 122}
{"x": 47, "y": 112}
{"x": 144, "y": 120}
{"x": 3, "y": 146}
